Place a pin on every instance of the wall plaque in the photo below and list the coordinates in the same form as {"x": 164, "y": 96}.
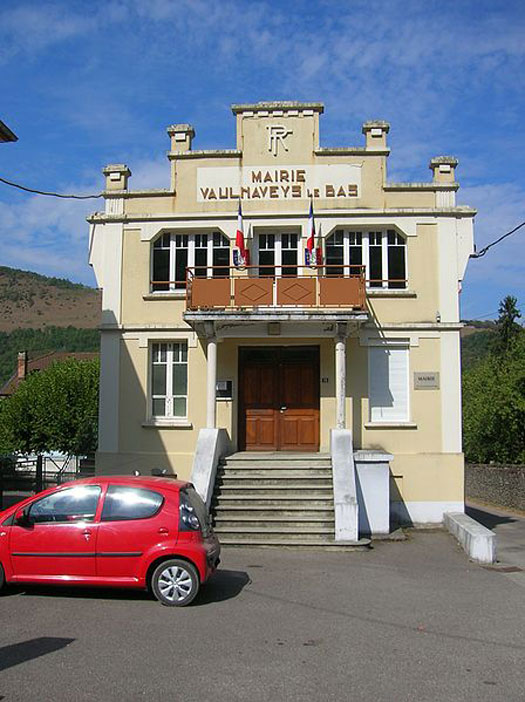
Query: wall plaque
{"x": 426, "y": 380}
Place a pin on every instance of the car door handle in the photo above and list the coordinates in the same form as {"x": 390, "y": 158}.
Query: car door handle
{"x": 86, "y": 534}
{"x": 164, "y": 531}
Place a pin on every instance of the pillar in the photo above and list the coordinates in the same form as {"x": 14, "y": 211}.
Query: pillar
{"x": 340, "y": 377}
{"x": 211, "y": 382}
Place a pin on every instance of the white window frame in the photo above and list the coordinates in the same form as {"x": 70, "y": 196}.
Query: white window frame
{"x": 191, "y": 255}
{"x": 365, "y": 244}
{"x": 169, "y": 396}
{"x": 278, "y": 234}
{"x": 386, "y": 415}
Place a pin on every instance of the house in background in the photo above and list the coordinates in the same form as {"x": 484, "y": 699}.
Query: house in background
{"x": 336, "y": 355}
{"x": 27, "y": 365}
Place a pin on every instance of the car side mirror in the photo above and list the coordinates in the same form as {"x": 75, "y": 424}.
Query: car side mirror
{"x": 22, "y": 517}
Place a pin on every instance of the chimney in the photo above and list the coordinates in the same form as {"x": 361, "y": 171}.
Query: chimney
{"x": 181, "y": 136}
{"x": 375, "y": 133}
{"x": 22, "y": 365}
{"x": 117, "y": 175}
{"x": 443, "y": 169}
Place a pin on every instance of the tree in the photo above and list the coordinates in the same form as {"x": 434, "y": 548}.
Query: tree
{"x": 494, "y": 406}
{"x": 53, "y": 410}
{"x": 507, "y": 327}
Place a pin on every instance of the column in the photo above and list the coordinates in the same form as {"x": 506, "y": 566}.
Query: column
{"x": 211, "y": 382}
{"x": 340, "y": 377}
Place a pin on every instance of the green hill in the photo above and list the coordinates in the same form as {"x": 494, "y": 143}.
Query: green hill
{"x": 33, "y": 301}
{"x": 40, "y": 314}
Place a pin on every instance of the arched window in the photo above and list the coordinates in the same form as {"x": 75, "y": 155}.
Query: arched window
{"x": 208, "y": 254}
{"x": 383, "y": 253}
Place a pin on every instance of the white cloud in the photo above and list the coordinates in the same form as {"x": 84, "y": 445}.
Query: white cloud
{"x": 48, "y": 234}
{"x": 501, "y": 207}
{"x": 32, "y": 28}
{"x": 151, "y": 174}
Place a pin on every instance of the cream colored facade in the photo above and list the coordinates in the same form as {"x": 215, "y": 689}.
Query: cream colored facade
{"x": 413, "y": 328}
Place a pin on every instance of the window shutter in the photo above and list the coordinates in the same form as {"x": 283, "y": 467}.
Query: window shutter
{"x": 388, "y": 384}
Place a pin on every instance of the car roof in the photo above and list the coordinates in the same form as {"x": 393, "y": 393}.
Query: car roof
{"x": 133, "y": 481}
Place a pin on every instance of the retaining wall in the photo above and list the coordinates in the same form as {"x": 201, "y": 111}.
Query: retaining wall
{"x": 499, "y": 485}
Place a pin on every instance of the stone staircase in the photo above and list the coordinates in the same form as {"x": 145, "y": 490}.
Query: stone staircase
{"x": 274, "y": 499}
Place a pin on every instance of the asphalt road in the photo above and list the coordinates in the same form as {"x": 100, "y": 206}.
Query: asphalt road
{"x": 409, "y": 620}
{"x": 509, "y": 528}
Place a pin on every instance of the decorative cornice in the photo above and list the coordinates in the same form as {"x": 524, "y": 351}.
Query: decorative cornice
{"x": 430, "y": 187}
{"x": 209, "y": 153}
{"x": 463, "y": 211}
{"x": 284, "y": 105}
{"x": 350, "y": 151}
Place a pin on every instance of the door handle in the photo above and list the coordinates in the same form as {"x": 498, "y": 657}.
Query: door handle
{"x": 164, "y": 531}
{"x": 86, "y": 534}
{"x": 283, "y": 408}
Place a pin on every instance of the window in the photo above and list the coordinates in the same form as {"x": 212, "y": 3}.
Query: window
{"x": 375, "y": 260}
{"x": 208, "y": 254}
{"x": 383, "y": 253}
{"x": 388, "y": 383}
{"x": 278, "y": 253}
{"x": 396, "y": 260}
{"x": 123, "y": 503}
{"x": 69, "y": 505}
{"x": 169, "y": 379}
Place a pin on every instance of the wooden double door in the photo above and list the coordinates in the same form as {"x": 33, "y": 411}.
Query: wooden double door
{"x": 279, "y": 398}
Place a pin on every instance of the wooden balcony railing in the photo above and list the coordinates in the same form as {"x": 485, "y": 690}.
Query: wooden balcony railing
{"x": 259, "y": 286}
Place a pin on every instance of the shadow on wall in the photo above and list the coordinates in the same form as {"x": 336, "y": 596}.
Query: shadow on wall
{"x": 399, "y": 515}
{"x": 125, "y": 396}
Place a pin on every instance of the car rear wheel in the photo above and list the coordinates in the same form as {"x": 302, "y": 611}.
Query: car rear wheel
{"x": 175, "y": 583}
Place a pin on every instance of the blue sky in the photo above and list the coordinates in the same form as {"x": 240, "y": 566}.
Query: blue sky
{"x": 86, "y": 84}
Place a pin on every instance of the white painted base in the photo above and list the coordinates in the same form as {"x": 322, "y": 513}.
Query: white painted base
{"x": 477, "y": 541}
{"x": 212, "y": 445}
{"x": 423, "y": 512}
{"x": 345, "y": 495}
{"x": 373, "y": 495}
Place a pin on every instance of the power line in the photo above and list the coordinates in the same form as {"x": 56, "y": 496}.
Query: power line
{"x": 479, "y": 254}
{"x": 43, "y": 192}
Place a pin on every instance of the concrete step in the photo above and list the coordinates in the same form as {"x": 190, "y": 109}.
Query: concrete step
{"x": 284, "y": 526}
{"x": 274, "y": 484}
{"x": 276, "y": 490}
{"x": 298, "y": 513}
{"x": 271, "y": 502}
{"x": 276, "y": 461}
{"x": 305, "y": 545}
{"x": 275, "y": 473}
{"x": 319, "y": 534}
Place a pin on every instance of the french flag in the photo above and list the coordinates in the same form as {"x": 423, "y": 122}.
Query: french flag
{"x": 313, "y": 255}
{"x": 310, "y": 242}
{"x": 239, "y": 238}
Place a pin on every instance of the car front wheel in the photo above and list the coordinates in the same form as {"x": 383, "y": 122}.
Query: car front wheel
{"x": 175, "y": 583}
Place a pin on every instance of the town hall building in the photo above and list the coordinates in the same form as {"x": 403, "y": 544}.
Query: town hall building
{"x": 282, "y": 306}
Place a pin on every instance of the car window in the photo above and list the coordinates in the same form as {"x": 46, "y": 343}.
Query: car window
{"x": 73, "y": 504}
{"x": 130, "y": 503}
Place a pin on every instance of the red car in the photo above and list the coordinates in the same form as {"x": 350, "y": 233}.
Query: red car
{"x": 113, "y": 531}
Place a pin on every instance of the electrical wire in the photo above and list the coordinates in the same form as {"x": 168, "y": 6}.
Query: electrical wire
{"x": 483, "y": 251}
{"x": 43, "y": 192}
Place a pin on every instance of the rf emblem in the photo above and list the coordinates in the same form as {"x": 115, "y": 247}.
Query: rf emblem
{"x": 277, "y": 133}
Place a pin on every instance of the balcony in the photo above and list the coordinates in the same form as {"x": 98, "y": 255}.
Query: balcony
{"x": 257, "y": 288}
